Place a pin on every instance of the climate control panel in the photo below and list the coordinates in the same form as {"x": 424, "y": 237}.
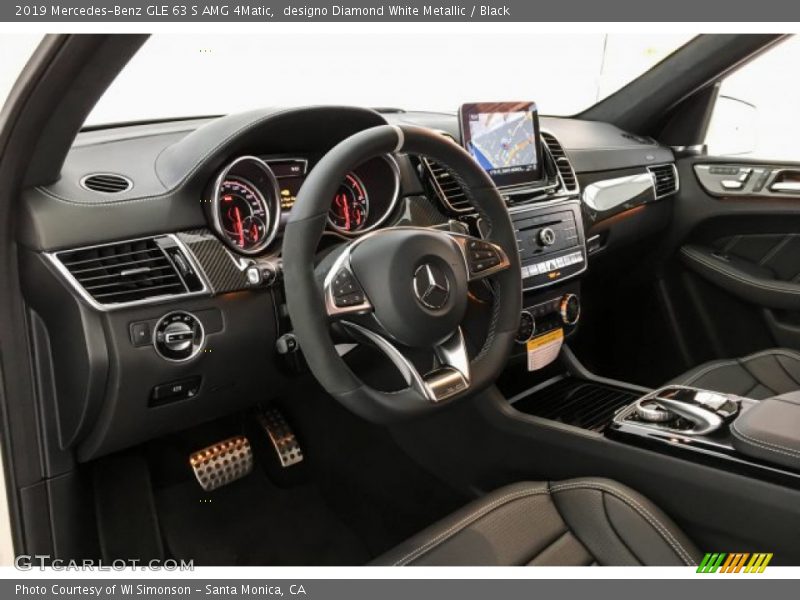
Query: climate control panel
{"x": 561, "y": 312}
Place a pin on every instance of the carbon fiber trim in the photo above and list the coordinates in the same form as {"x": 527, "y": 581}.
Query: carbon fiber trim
{"x": 221, "y": 270}
{"x": 421, "y": 212}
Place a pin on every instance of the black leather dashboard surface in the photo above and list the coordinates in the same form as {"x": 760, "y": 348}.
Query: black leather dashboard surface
{"x": 170, "y": 166}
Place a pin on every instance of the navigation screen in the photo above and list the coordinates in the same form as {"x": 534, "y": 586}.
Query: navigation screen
{"x": 504, "y": 138}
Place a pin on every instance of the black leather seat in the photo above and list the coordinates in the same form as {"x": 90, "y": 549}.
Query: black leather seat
{"x": 585, "y": 521}
{"x": 758, "y": 376}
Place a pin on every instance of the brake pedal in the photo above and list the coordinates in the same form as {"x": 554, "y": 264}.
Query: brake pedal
{"x": 281, "y": 436}
{"x": 222, "y": 463}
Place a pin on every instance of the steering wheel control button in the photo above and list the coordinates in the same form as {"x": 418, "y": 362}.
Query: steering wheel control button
{"x": 348, "y": 300}
{"x": 345, "y": 290}
{"x": 482, "y": 256}
{"x": 431, "y": 286}
{"x": 178, "y": 336}
{"x": 344, "y": 284}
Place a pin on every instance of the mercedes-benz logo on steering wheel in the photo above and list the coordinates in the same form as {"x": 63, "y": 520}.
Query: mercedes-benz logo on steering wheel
{"x": 431, "y": 286}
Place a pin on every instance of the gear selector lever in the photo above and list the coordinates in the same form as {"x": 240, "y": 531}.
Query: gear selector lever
{"x": 687, "y": 411}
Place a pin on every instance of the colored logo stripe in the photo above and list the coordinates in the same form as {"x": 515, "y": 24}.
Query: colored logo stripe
{"x": 734, "y": 562}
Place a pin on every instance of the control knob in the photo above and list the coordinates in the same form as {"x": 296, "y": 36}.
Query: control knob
{"x": 547, "y": 237}
{"x": 570, "y": 309}
{"x": 178, "y": 336}
{"x": 527, "y": 327}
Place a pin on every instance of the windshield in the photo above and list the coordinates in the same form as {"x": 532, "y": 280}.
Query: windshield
{"x": 197, "y": 75}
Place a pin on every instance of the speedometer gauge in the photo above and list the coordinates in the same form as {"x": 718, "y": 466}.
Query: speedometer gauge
{"x": 245, "y": 207}
{"x": 243, "y": 213}
{"x": 350, "y": 207}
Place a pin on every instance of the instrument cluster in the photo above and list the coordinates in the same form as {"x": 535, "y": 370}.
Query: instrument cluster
{"x": 252, "y": 195}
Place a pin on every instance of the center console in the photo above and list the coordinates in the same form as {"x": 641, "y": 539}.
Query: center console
{"x": 762, "y": 435}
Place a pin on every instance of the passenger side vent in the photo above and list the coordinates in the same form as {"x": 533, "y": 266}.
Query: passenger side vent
{"x": 665, "y": 180}
{"x": 446, "y": 187}
{"x": 106, "y": 183}
{"x": 562, "y": 162}
{"x": 132, "y": 271}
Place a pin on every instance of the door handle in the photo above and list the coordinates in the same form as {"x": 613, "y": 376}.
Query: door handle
{"x": 785, "y": 186}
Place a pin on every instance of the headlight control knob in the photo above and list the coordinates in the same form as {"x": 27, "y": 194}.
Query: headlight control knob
{"x": 178, "y": 336}
{"x": 570, "y": 309}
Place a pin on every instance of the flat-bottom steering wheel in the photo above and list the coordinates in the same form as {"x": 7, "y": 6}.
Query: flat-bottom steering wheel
{"x": 401, "y": 288}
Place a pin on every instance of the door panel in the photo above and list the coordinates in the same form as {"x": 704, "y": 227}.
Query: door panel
{"x": 733, "y": 271}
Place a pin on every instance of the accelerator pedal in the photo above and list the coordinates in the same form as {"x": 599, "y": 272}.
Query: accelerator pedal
{"x": 281, "y": 436}
{"x": 222, "y": 463}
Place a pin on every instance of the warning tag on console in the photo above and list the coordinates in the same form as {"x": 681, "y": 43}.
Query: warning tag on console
{"x": 544, "y": 349}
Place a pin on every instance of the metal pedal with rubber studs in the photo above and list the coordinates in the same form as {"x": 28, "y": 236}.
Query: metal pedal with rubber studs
{"x": 283, "y": 440}
{"x": 222, "y": 463}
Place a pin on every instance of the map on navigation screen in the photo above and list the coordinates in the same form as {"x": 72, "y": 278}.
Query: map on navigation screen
{"x": 503, "y": 138}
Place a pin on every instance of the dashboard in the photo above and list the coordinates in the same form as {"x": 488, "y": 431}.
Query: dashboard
{"x": 152, "y": 267}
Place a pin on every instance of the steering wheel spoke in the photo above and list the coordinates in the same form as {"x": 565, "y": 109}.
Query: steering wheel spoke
{"x": 481, "y": 257}
{"x": 449, "y": 378}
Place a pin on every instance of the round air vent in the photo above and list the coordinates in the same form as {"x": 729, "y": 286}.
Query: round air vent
{"x": 106, "y": 183}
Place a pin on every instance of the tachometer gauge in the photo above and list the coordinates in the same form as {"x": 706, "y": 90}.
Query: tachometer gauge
{"x": 246, "y": 205}
{"x": 350, "y": 206}
{"x": 242, "y": 213}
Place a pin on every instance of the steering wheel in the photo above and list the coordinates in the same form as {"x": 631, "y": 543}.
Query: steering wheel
{"x": 401, "y": 288}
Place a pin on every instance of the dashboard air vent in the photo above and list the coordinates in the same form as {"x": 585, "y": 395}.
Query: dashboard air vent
{"x": 447, "y": 187}
{"x": 665, "y": 180}
{"x": 562, "y": 162}
{"x": 106, "y": 183}
{"x": 125, "y": 272}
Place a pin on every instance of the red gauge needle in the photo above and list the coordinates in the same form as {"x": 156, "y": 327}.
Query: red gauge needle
{"x": 239, "y": 228}
{"x": 341, "y": 200}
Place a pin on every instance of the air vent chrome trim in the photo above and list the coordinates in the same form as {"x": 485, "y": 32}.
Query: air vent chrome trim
{"x": 652, "y": 170}
{"x": 126, "y": 181}
{"x": 440, "y": 192}
{"x": 53, "y": 258}
{"x": 561, "y": 161}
